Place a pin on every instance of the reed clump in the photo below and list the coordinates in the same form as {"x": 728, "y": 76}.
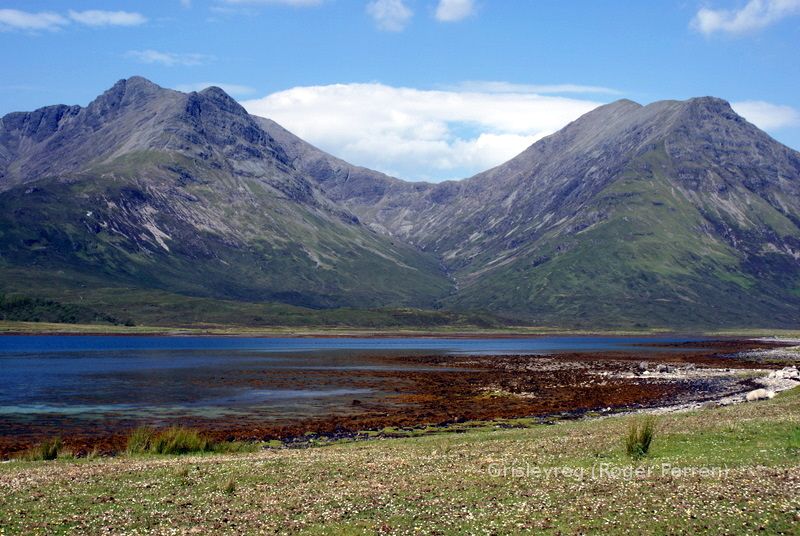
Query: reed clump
{"x": 174, "y": 440}
{"x": 639, "y": 437}
{"x": 47, "y": 450}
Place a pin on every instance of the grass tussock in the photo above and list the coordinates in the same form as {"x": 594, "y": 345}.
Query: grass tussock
{"x": 48, "y": 450}
{"x": 180, "y": 440}
{"x": 139, "y": 440}
{"x": 183, "y": 472}
{"x": 794, "y": 440}
{"x": 232, "y": 447}
{"x": 640, "y": 437}
{"x": 175, "y": 440}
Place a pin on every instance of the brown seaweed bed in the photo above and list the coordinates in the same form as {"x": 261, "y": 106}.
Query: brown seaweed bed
{"x": 446, "y": 389}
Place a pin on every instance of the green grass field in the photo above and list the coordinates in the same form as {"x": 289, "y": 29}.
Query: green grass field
{"x": 733, "y": 470}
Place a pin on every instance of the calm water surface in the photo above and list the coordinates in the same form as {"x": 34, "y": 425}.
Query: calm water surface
{"x": 95, "y": 377}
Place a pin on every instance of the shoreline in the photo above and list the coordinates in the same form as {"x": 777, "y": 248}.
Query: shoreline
{"x": 483, "y": 389}
{"x": 337, "y": 333}
{"x": 765, "y": 381}
{"x": 14, "y": 328}
{"x": 313, "y": 440}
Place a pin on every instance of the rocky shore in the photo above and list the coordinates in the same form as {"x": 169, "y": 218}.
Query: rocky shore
{"x": 450, "y": 389}
{"x": 765, "y": 382}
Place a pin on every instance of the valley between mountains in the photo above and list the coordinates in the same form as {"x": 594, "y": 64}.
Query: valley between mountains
{"x": 153, "y": 206}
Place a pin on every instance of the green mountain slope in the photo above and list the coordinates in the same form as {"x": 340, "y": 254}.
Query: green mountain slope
{"x": 196, "y": 200}
{"x": 652, "y": 261}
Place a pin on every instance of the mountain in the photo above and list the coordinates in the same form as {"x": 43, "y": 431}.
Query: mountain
{"x": 679, "y": 213}
{"x": 148, "y": 188}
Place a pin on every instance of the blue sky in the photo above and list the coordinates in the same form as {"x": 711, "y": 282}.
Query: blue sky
{"x": 423, "y": 89}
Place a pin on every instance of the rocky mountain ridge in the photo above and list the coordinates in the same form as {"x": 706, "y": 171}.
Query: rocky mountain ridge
{"x": 153, "y": 188}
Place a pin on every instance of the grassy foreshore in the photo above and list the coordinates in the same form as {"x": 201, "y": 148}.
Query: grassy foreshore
{"x": 733, "y": 470}
{"x": 46, "y": 328}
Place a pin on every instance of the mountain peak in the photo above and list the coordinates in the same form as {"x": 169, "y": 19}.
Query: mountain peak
{"x": 700, "y": 107}
{"x": 140, "y": 82}
{"x": 619, "y": 109}
{"x": 623, "y": 103}
{"x": 708, "y": 102}
{"x": 221, "y": 99}
{"x": 127, "y": 90}
{"x": 214, "y": 91}
{"x": 134, "y": 84}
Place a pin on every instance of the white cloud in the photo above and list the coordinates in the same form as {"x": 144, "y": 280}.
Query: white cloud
{"x": 767, "y": 116}
{"x": 756, "y": 14}
{"x": 507, "y": 87}
{"x": 295, "y": 3}
{"x": 418, "y": 134}
{"x": 14, "y": 19}
{"x": 48, "y": 20}
{"x": 454, "y": 10}
{"x": 390, "y": 15}
{"x": 186, "y": 3}
{"x": 169, "y": 59}
{"x": 231, "y": 89}
{"x": 96, "y": 17}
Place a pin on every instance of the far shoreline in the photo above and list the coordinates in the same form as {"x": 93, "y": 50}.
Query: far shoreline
{"x": 12, "y": 328}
